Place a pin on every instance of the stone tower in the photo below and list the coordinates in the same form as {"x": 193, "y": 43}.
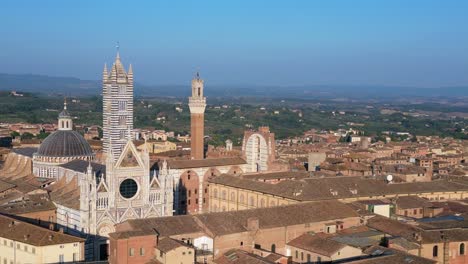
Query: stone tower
{"x": 117, "y": 92}
{"x": 197, "y": 104}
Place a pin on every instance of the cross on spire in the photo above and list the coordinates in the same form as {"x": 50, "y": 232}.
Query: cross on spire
{"x": 118, "y": 49}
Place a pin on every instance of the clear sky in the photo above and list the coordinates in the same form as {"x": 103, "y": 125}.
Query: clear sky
{"x": 259, "y": 42}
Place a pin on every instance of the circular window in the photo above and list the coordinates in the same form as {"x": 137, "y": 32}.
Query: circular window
{"x": 128, "y": 188}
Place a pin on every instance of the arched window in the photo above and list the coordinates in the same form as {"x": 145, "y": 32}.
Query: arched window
{"x": 233, "y": 196}
{"x": 435, "y": 251}
{"x": 199, "y": 91}
{"x": 215, "y": 193}
{"x": 262, "y": 202}
{"x": 223, "y": 194}
{"x": 252, "y": 201}
{"x": 241, "y": 198}
{"x": 273, "y": 248}
{"x": 462, "y": 249}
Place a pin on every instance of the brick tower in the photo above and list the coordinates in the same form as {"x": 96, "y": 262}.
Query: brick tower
{"x": 197, "y": 104}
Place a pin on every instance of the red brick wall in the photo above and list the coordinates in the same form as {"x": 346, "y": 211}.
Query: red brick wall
{"x": 120, "y": 250}
{"x": 189, "y": 192}
{"x": 197, "y": 127}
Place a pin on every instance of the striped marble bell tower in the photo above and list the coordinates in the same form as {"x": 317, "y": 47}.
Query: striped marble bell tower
{"x": 117, "y": 93}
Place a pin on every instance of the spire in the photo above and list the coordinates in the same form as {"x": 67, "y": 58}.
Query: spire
{"x": 89, "y": 168}
{"x": 118, "y": 50}
{"x": 118, "y": 70}
{"x": 130, "y": 69}
{"x": 105, "y": 73}
{"x": 65, "y": 103}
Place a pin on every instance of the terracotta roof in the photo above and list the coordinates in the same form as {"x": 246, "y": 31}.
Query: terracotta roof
{"x": 31, "y": 234}
{"x": 316, "y": 244}
{"x": 223, "y": 223}
{"x": 393, "y": 227}
{"x": 312, "y": 189}
{"x": 237, "y": 256}
{"x": 6, "y": 186}
{"x": 164, "y": 226}
{"x": 410, "y": 202}
{"x": 276, "y": 175}
{"x": 186, "y": 164}
{"x": 381, "y": 255}
{"x": 66, "y": 194}
{"x": 167, "y": 244}
{"x": 34, "y": 203}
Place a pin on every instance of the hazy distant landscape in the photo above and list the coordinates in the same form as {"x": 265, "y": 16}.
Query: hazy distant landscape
{"x": 71, "y": 86}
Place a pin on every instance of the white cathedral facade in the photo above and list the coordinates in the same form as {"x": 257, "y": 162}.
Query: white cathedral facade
{"x": 91, "y": 197}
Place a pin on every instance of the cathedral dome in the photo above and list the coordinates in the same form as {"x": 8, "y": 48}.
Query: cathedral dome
{"x": 65, "y": 143}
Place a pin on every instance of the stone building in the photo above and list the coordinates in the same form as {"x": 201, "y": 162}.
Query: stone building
{"x": 23, "y": 242}
{"x": 91, "y": 197}
{"x": 230, "y": 193}
{"x": 310, "y": 248}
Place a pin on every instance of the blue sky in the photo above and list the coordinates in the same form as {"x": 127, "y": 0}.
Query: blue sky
{"x": 290, "y": 42}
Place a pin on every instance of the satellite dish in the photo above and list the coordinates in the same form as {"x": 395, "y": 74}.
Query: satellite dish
{"x": 389, "y": 178}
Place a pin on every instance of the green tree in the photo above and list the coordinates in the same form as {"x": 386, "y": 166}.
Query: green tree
{"x": 14, "y": 134}
{"x": 43, "y": 135}
{"x": 27, "y": 135}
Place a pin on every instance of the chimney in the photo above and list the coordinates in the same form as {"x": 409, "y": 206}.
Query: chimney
{"x": 253, "y": 223}
{"x": 50, "y": 237}
{"x": 26, "y": 237}
{"x": 51, "y": 226}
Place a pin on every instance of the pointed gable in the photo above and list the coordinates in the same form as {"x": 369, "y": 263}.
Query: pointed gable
{"x": 130, "y": 157}
{"x": 129, "y": 160}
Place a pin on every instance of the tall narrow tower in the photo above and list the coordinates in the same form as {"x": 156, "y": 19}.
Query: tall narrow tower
{"x": 117, "y": 93}
{"x": 197, "y": 104}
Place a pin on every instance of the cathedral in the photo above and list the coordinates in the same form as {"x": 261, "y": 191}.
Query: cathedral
{"x": 92, "y": 197}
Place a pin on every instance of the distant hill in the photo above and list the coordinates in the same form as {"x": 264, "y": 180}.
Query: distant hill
{"x": 74, "y": 86}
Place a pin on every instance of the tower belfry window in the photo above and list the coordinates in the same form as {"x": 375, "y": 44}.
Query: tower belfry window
{"x": 122, "y": 105}
{"x": 199, "y": 92}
